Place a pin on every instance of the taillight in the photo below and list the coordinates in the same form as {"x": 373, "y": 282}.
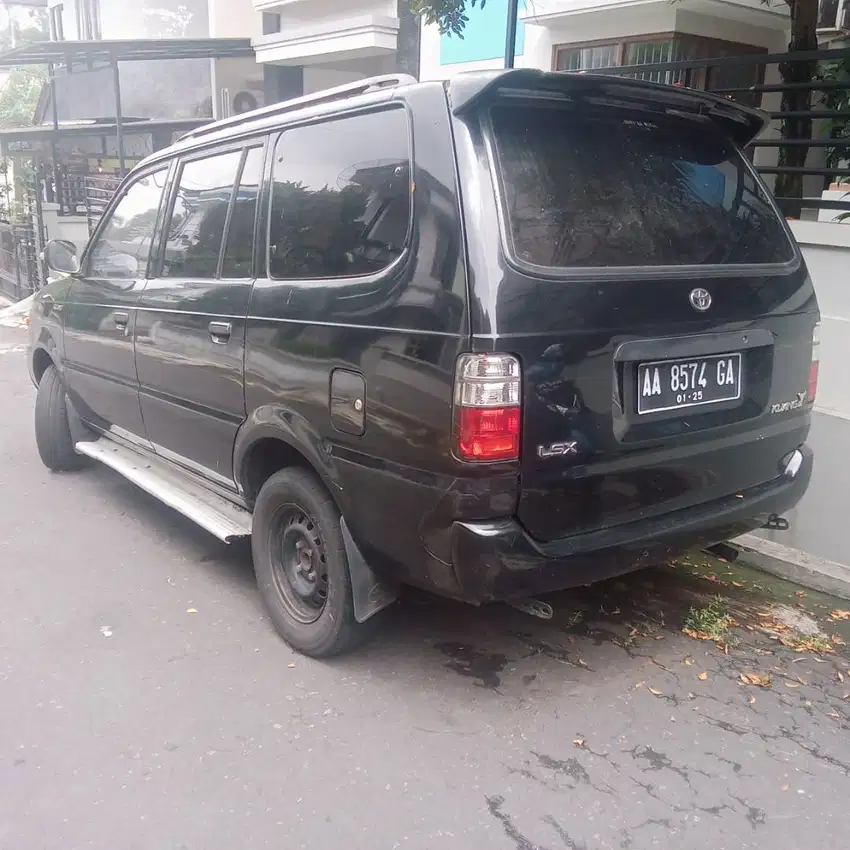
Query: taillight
{"x": 487, "y": 407}
{"x": 813, "y": 369}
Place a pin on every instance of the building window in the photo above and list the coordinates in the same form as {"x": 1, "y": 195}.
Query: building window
{"x": 88, "y": 20}
{"x": 56, "y": 26}
{"x": 668, "y": 47}
{"x": 271, "y": 23}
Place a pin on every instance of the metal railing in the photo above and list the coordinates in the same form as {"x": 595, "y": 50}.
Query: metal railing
{"x": 98, "y": 191}
{"x": 806, "y": 93}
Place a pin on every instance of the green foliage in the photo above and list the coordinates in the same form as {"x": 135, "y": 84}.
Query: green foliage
{"x": 19, "y": 96}
{"x": 838, "y": 100}
{"x": 22, "y": 88}
{"x": 449, "y": 15}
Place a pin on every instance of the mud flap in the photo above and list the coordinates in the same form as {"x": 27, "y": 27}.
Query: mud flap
{"x": 370, "y": 593}
{"x": 79, "y": 432}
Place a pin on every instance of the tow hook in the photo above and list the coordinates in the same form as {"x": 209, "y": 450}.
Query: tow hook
{"x": 776, "y": 523}
{"x": 535, "y": 607}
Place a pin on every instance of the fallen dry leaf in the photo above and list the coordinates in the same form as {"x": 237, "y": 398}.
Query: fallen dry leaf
{"x": 702, "y": 676}
{"x": 836, "y": 639}
{"x": 755, "y": 679}
{"x": 290, "y": 665}
{"x": 751, "y": 700}
{"x": 839, "y": 614}
{"x": 191, "y": 610}
{"x": 639, "y": 685}
{"x": 840, "y": 676}
{"x": 696, "y": 635}
{"x": 799, "y": 593}
{"x": 656, "y": 692}
{"x": 688, "y": 662}
{"x": 737, "y": 584}
{"x": 792, "y": 684}
{"x": 800, "y": 643}
{"x": 579, "y": 742}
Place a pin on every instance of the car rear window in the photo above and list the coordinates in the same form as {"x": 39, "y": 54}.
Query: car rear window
{"x": 607, "y": 190}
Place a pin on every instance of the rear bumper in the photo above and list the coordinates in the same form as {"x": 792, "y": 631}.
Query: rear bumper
{"x": 499, "y": 560}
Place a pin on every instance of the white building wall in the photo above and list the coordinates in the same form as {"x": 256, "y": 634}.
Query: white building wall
{"x": 564, "y": 22}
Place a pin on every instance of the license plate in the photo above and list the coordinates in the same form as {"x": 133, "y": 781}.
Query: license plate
{"x": 678, "y": 384}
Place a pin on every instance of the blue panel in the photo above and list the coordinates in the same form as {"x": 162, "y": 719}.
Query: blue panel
{"x": 484, "y": 35}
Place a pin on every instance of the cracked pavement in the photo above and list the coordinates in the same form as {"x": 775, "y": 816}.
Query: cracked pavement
{"x": 127, "y": 720}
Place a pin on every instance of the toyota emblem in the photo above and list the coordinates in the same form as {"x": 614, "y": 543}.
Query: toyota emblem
{"x": 700, "y": 299}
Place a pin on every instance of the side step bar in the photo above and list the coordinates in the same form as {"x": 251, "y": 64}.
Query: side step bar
{"x": 221, "y": 518}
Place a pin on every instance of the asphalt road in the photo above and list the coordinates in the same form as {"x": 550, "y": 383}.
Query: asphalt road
{"x": 145, "y": 702}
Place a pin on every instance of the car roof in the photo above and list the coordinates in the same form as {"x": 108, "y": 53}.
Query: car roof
{"x": 469, "y": 90}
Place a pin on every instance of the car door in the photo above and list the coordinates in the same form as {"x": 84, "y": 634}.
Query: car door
{"x": 190, "y": 332}
{"x": 100, "y": 311}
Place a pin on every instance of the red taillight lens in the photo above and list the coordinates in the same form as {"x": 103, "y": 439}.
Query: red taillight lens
{"x": 488, "y": 433}
{"x": 487, "y": 407}
{"x": 813, "y": 369}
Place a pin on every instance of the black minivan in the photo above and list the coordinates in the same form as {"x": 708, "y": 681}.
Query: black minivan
{"x": 491, "y": 337}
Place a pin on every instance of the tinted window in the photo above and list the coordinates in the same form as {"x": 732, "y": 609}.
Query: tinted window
{"x": 196, "y": 227}
{"x": 123, "y": 248}
{"x": 605, "y": 190}
{"x": 239, "y": 253}
{"x": 341, "y": 197}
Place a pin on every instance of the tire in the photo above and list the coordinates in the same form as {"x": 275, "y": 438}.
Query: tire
{"x": 301, "y": 566}
{"x": 52, "y": 429}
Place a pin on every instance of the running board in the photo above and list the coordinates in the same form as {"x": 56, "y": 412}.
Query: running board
{"x": 212, "y": 512}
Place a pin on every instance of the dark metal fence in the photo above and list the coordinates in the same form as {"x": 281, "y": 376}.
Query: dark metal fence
{"x": 808, "y": 98}
{"x": 99, "y": 189}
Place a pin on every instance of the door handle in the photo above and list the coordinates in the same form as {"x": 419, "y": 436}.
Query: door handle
{"x": 121, "y": 320}
{"x": 220, "y": 332}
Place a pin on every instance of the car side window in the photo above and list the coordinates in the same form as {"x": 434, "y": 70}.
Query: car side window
{"x": 239, "y": 250}
{"x": 341, "y": 197}
{"x": 195, "y": 227}
{"x": 123, "y": 247}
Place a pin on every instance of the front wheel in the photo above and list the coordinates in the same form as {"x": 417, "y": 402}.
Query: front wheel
{"x": 52, "y": 429}
{"x": 301, "y": 566}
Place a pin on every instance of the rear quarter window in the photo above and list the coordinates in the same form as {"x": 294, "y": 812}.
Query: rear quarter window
{"x": 606, "y": 190}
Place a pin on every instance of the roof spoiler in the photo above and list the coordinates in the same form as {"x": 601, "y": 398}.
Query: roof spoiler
{"x": 468, "y": 91}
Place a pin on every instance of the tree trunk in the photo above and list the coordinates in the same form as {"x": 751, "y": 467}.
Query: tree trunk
{"x": 804, "y": 17}
{"x": 407, "y": 48}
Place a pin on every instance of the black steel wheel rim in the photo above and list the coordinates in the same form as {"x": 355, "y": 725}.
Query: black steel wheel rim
{"x": 299, "y": 564}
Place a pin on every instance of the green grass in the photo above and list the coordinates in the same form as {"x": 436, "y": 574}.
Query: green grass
{"x": 709, "y": 623}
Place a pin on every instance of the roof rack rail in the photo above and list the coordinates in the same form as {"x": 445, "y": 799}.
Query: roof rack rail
{"x": 385, "y": 81}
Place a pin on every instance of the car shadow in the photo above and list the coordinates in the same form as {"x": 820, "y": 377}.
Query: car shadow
{"x": 627, "y": 626}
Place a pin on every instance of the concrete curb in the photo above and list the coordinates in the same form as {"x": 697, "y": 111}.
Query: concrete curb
{"x": 794, "y": 565}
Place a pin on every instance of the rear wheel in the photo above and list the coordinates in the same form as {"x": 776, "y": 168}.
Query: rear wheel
{"x": 301, "y": 566}
{"x": 52, "y": 429}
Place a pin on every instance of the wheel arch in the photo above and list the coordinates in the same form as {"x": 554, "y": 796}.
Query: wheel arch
{"x": 41, "y": 360}
{"x": 268, "y": 442}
